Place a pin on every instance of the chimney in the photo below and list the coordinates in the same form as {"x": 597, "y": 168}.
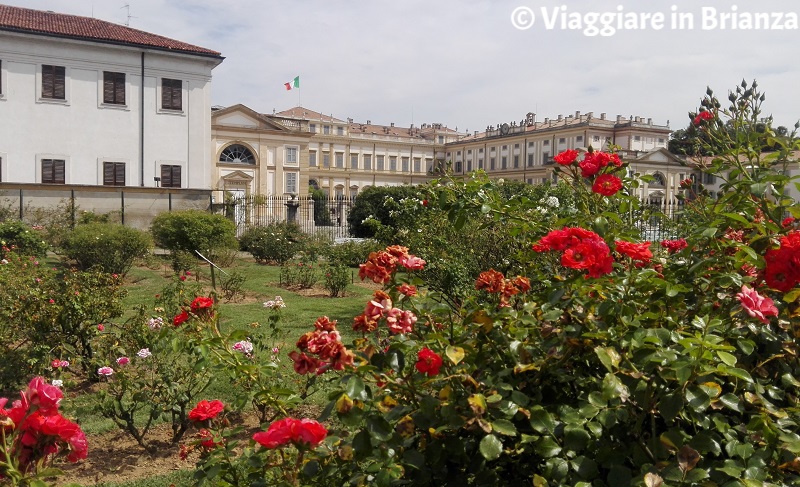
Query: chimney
{"x": 391, "y": 124}
{"x": 349, "y": 120}
{"x": 577, "y": 114}
{"x": 475, "y": 134}
{"x": 546, "y": 120}
{"x": 649, "y": 121}
{"x": 602, "y": 115}
{"x": 590, "y": 115}
{"x": 619, "y": 118}
{"x": 560, "y": 117}
{"x": 369, "y": 122}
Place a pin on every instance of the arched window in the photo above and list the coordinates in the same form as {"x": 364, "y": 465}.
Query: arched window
{"x": 237, "y": 154}
{"x": 658, "y": 180}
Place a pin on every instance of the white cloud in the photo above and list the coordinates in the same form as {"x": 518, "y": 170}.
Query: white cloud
{"x": 460, "y": 62}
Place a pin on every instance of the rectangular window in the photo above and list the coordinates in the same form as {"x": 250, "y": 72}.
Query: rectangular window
{"x": 637, "y": 138}
{"x": 469, "y": 166}
{"x": 505, "y": 147}
{"x": 516, "y": 161}
{"x": 405, "y": 164}
{"x": 339, "y": 130}
{"x": 546, "y": 158}
{"x": 291, "y": 156}
{"x": 291, "y": 182}
{"x": 441, "y": 139}
{"x": 170, "y": 176}
{"x": 480, "y": 151}
{"x": 368, "y": 162}
{"x": 546, "y": 143}
{"x": 113, "y": 173}
{"x": 579, "y": 139}
{"x": 326, "y": 160}
{"x": 417, "y": 164}
{"x": 491, "y": 163}
{"x": 480, "y": 163}
{"x": 113, "y": 88}
{"x": 516, "y": 146}
{"x": 53, "y": 171}
{"x": 312, "y": 127}
{"x": 340, "y": 160}
{"x": 561, "y": 140}
{"x": 326, "y": 129}
{"x": 54, "y": 82}
{"x": 354, "y": 161}
{"x": 596, "y": 138}
{"x": 530, "y": 160}
{"x": 660, "y": 141}
{"x": 312, "y": 159}
{"x": 458, "y": 166}
{"x": 171, "y": 94}
{"x": 504, "y": 162}
{"x": 393, "y": 163}
{"x": 379, "y": 161}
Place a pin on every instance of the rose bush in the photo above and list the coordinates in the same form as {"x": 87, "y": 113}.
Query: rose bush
{"x": 614, "y": 362}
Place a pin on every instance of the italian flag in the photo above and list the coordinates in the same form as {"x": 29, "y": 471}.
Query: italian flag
{"x": 295, "y": 83}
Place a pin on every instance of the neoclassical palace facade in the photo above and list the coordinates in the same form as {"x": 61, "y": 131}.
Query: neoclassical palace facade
{"x": 287, "y": 152}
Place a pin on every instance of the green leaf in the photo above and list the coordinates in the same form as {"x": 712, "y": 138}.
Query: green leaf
{"x": 504, "y": 427}
{"x": 542, "y": 421}
{"x": 491, "y": 447}
{"x": 575, "y": 438}
{"x": 547, "y": 447}
{"x": 732, "y": 401}
{"x": 379, "y": 428}
{"x": 585, "y": 467}
{"x": 727, "y": 358}
{"x": 355, "y": 388}
{"x": 735, "y": 372}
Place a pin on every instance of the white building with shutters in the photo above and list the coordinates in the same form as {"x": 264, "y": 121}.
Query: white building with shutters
{"x": 89, "y": 102}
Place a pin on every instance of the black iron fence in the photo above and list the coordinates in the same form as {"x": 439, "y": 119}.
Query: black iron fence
{"x": 313, "y": 215}
{"x": 659, "y": 220}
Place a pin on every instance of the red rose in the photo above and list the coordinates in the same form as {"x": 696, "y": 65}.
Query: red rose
{"x": 636, "y": 251}
{"x": 278, "y": 434}
{"x": 309, "y": 433}
{"x": 673, "y": 246}
{"x": 201, "y": 303}
{"x": 303, "y": 364}
{"x": 607, "y": 184}
{"x": 206, "y": 410}
{"x": 703, "y": 116}
{"x": 567, "y": 157}
{"x": 181, "y": 318}
{"x": 428, "y": 362}
{"x": 302, "y": 432}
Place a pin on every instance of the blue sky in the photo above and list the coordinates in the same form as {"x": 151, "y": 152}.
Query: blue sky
{"x": 462, "y": 62}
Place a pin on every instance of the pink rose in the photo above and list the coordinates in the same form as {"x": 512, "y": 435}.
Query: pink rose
{"x": 123, "y": 361}
{"x": 757, "y": 305}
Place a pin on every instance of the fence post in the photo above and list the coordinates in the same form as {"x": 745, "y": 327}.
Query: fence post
{"x": 20, "y": 204}
{"x": 72, "y": 208}
{"x": 122, "y": 209}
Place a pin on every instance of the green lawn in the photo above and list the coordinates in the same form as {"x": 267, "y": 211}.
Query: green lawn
{"x": 261, "y": 283}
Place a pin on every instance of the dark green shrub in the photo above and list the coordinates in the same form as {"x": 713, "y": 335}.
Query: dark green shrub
{"x": 322, "y": 217}
{"x": 351, "y": 253}
{"x": 276, "y": 242}
{"x": 337, "y": 278}
{"x": 192, "y": 230}
{"x": 25, "y": 240}
{"x": 111, "y": 247}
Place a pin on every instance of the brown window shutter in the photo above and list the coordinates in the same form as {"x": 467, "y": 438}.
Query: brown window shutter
{"x": 119, "y": 174}
{"x": 177, "y": 96}
{"x": 58, "y": 172}
{"x": 119, "y": 95}
{"x": 108, "y": 173}
{"x": 166, "y": 176}
{"x": 176, "y": 176}
{"x": 47, "y": 81}
{"x": 47, "y": 170}
{"x": 59, "y": 82}
{"x": 166, "y": 94}
{"x": 108, "y": 87}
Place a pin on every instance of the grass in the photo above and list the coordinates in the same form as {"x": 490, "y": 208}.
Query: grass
{"x": 179, "y": 478}
{"x": 261, "y": 284}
